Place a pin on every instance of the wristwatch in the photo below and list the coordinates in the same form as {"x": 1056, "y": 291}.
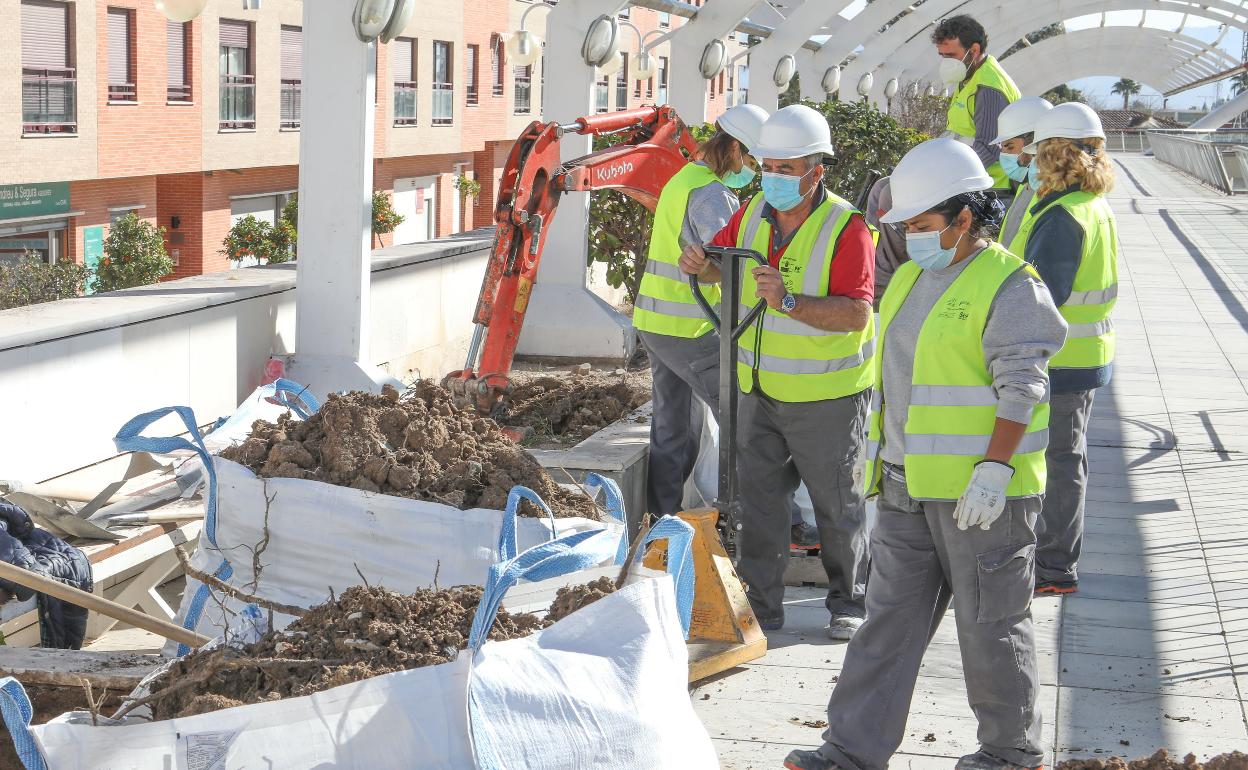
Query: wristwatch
{"x": 788, "y": 304}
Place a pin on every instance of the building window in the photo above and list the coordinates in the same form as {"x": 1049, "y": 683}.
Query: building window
{"x": 522, "y": 78}
{"x": 292, "y": 76}
{"x": 743, "y": 84}
{"x": 621, "y": 86}
{"x": 732, "y": 91}
{"x": 177, "y": 53}
{"x": 624, "y": 14}
{"x": 497, "y": 57}
{"x": 650, "y": 88}
{"x": 238, "y": 83}
{"x": 443, "y": 84}
{"x": 542, "y": 74}
{"x": 665, "y": 19}
{"x": 662, "y": 80}
{"x": 404, "y": 63}
{"x": 49, "y": 80}
{"x": 470, "y": 65}
{"x": 121, "y": 86}
{"x": 602, "y": 94}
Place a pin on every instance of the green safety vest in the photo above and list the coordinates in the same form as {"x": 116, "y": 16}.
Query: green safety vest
{"x": 962, "y": 108}
{"x": 796, "y": 362}
{"x": 665, "y": 303}
{"x": 953, "y": 406}
{"x": 1090, "y": 339}
{"x": 1012, "y": 225}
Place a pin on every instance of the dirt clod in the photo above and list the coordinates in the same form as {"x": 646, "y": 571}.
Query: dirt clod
{"x": 416, "y": 445}
{"x": 572, "y": 598}
{"x": 929, "y": 738}
{"x": 569, "y": 409}
{"x": 364, "y": 632}
{"x": 1161, "y": 760}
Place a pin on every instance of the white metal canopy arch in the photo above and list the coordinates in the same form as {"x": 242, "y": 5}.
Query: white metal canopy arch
{"x": 914, "y": 59}
{"x": 787, "y": 39}
{"x": 714, "y": 21}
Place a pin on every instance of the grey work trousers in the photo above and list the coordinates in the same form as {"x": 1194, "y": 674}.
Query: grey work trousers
{"x": 819, "y": 443}
{"x": 1059, "y": 534}
{"x": 682, "y": 369}
{"x": 919, "y": 560}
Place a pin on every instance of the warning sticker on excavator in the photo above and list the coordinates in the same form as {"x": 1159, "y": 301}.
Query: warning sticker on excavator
{"x": 522, "y": 294}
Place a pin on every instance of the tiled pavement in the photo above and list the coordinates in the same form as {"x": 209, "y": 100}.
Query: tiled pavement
{"x": 1154, "y": 649}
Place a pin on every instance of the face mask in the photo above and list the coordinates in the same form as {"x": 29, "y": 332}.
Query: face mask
{"x": 1009, "y": 164}
{"x": 1033, "y": 176}
{"x": 783, "y": 191}
{"x": 953, "y": 71}
{"x": 925, "y": 251}
{"x": 738, "y": 179}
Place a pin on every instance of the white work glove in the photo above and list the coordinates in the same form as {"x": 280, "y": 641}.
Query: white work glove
{"x": 984, "y": 499}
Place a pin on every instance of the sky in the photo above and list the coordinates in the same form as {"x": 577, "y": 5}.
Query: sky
{"x": 1098, "y": 88}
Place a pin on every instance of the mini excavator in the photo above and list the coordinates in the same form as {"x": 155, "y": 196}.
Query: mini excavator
{"x": 654, "y": 144}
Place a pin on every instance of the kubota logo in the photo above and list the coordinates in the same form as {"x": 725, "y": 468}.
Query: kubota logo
{"x": 615, "y": 172}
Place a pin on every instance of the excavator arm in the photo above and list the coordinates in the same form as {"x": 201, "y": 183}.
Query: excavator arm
{"x": 654, "y": 144}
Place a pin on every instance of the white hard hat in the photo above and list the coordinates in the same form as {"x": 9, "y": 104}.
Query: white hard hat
{"x": 1019, "y": 118}
{"x": 1071, "y": 120}
{"x": 743, "y": 123}
{"x": 793, "y": 132}
{"x": 932, "y": 173}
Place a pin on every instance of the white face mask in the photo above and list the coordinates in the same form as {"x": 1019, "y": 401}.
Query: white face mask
{"x": 953, "y": 71}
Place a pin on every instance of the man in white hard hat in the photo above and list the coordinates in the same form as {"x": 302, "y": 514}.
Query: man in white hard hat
{"x": 956, "y": 447}
{"x": 693, "y": 207}
{"x": 1016, "y": 127}
{"x": 804, "y": 377}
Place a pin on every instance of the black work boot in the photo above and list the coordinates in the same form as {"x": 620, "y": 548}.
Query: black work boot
{"x": 808, "y": 760}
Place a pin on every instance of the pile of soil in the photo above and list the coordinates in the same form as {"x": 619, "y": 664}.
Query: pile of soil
{"x": 365, "y": 632}
{"x": 416, "y": 445}
{"x": 48, "y": 702}
{"x": 570, "y": 406}
{"x": 1161, "y": 760}
{"x": 572, "y": 598}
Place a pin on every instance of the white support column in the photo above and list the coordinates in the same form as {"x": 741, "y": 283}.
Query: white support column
{"x": 335, "y": 189}
{"x": 565, "y": 319}
{"x": 1224, "y": 114}
{"x": 810, "y": 76}
{"x": 687, "y": 87}
{"x": 787, "y": 38}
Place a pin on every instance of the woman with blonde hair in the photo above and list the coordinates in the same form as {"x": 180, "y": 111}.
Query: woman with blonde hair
{"x": 1071, "y": 238}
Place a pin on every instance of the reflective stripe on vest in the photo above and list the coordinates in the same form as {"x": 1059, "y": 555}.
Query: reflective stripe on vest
{"x": 1014, "y": 218}
{"x": 796, "y": 362}
{"x": 953, "y": 405}
{"x": 961, "y": 116}
{"x": 665, "y": 303}
{"x": 1090, "y": 339}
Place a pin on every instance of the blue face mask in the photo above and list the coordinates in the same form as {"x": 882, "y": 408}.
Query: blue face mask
{"x": 1009, "y": 164}
{"x": 1033, "y": 176}
{"x": 783, "y": 191}
{"x": 738, "y": 179}
{"x": 925, "y": 251}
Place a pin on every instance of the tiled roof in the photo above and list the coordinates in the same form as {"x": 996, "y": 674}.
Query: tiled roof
{"x": 1125, "y": 120}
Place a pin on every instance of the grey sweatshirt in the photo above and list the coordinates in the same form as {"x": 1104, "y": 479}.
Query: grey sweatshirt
{"x": 707, "y": 212}
{"x": 1023, "y": 331}
{"x": 890, "y": 252}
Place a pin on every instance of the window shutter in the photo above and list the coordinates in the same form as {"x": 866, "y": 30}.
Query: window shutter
{"x": 496, "y": 60}
{"x": 118, "y": 46}
{"x": 235, "y": 34}
{"x": 292, "y": 53}
{"x": 175, "y": 52}
{"x": 45, "y": 34}
{"x": 404, "y": 55}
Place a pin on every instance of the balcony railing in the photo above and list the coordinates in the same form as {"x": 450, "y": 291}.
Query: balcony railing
{"x": 523, "y": 103}
{"x": 180, "y": 93}
{"x": 292, "y": 103}
{"x": 404, "y": 103}
{"x": 471, "y": 95}
{"x": 122, "y": 92}
{"x": 49, "y": 101}
{"x": 238, "y": 102}
{"x": 443, "y": 104}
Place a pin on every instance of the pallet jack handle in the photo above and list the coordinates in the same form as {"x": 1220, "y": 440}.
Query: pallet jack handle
{"x": 730, "y": 260}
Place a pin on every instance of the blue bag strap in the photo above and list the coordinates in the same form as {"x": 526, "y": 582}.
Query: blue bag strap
{"x": 679, "y": 537}
{"x": 615, "y": 509}
{"x": 17, "y": 712}
{"x": 541, "y": 562}
{"x": 293, "y": 396}
{"x": 507, "y": 546}
{"x": 128, "y": 439}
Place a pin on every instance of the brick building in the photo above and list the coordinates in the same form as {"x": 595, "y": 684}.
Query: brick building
{"x": 106, "y": 107}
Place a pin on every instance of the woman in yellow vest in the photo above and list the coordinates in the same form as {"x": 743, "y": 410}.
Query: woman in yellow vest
{"x": 1071, "y": 238}
{"x": 694, "y": 205}
{"x": 956, "y": 454}
{"x": 1015, "y": 128}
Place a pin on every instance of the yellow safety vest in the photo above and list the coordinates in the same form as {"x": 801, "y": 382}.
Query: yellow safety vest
{"x": 1090, "y": 340}
{"x": 961, "y": 119}
{"x": 665, "y": 303}
{"x": 953, "y": 406}
{"x": 1012, "y": 225}
{"x": 797, "y": 362}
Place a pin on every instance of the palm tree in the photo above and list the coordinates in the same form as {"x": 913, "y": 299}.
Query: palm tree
{"x": 1128, "y": 88}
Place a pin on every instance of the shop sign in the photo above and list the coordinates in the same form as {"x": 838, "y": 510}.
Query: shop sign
{"x": 33, "y": 200}
{"x": 92, "y": 246}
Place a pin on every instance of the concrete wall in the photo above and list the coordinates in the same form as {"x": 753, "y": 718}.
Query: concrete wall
{"x": 73, "y": 372}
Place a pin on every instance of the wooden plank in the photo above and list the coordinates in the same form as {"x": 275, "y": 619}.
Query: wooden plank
{"x": 707, "y": 658}
{"x": 805, "y": 571}
{"x": 116, "y": 671}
